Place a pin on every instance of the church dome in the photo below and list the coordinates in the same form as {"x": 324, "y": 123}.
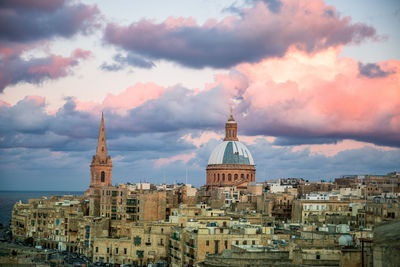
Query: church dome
{"x": 231, "y": 152}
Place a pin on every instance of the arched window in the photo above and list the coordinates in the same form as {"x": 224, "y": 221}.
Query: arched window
{"x": 242, "y": 176}
{"x": 236, "y": 176}
{"x": 102, "y": 149}
{"x": 103, "y": 176}
{"x": 229, "y": 177}
{"x": 218, "y": 177}
{"x": 247, "y": 177}
{"x": 229, "y": 133}
{"x": 223, "y": 177}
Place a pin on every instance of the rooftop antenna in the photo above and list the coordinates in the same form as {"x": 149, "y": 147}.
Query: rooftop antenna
{"x": 164, "y": 177}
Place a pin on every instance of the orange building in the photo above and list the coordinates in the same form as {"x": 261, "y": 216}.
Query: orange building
{"x": 230, "y": 163}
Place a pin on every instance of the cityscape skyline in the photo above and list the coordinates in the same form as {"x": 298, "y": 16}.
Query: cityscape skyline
{"x": 314, "y": 100}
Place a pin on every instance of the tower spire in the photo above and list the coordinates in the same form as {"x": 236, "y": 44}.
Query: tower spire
{"x": 101, "y": 150}
{"x": 231, "y": 116}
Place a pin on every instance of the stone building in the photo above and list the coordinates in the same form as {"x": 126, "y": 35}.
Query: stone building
{"x": 230, "y": 163}
{"x": 146, "y": 243}
{"x": 190, "y": 245}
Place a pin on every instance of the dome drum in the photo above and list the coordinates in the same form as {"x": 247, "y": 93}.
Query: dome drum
{"x": 229, "y": 174}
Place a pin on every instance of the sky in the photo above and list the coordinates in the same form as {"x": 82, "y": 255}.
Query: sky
{"x": 314, "y": 87}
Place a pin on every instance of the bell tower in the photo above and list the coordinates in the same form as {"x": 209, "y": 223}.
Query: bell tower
{"x": 101, "y": 166}
{"x": 100, "y": 171}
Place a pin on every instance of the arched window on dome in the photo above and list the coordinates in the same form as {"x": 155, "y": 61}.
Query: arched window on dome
{"x": 229, "y": 133}
{"x": 218, "y": 177}
{"x": 103, "y": 176}
{"x": 236, "y": 176}
{"x": 223, "y": 177}
{"x": 229, "y": 177}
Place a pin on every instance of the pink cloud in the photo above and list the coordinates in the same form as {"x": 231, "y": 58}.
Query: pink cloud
{"x": 5, "y": 104}
{"x": 36, "y": 70}
{"x": 182, "y": 157}
{"x": 316, "y": 95}
{"x": 132, "y": 97}
{"x": 58, "y": 65}
{"x": 38, "y": 100}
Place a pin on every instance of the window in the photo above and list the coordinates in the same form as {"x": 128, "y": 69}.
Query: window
{"x": 124, "y": 250}
{"x": 97, "y": 249}
{"x": 218, "y": 177}
{"x": 223, "y": 177}
{"x": 242, "y": 176}
{"x": 103, "y": 176}
{"x": 137, "y": 240}
{"x": 116, "y": 250}
{"x": 236, "y": 176}
{"x": 108, "y": 250}
{"x": 229, "y": 177}
{"x": 207, "y": 243}
{"x": 244, "y": 242}
{"x": 253, "y": 242}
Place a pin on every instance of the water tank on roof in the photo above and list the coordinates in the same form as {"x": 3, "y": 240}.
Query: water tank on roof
{"x": 346, "y": 241}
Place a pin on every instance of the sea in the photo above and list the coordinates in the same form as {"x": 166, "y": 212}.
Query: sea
{"x": 9, "y": 198}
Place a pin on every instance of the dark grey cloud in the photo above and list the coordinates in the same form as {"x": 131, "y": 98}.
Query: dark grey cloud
{"x": 247, "y": 37}
{"x": 41, "y": 20}
{"x": 272, "y": 121}
{"x": 25, "y": 25}
{"x": 372, "y": 70}
{"x": 56, "y": 149}
{"x": 130, "y": 59}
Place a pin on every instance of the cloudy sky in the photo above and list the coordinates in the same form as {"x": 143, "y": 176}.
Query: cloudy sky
{"x": 315, "y": 88}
